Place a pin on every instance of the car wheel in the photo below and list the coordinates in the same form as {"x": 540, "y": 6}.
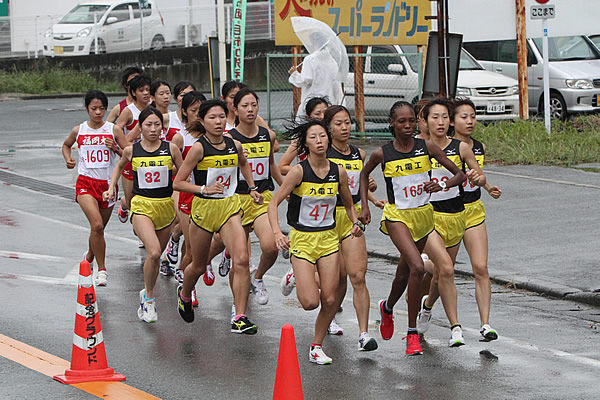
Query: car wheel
{"x": 101, "y": 47}
{"x": 158, "y": 42}
{"x": 558, "y": 107}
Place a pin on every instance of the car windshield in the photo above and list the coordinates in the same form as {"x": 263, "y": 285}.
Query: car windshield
{"x": 567, "y": 48}
{"x": 467, "y": 62}
{"x": 84, "y": 14}
{"x": 413, "y": 61}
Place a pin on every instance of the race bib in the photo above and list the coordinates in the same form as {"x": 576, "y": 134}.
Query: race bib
{"x": 226, "y": 176}
{"x": 409, "y": 191}
{"x": 153, "y": 177}
{"x": 317, "y": 211}
{"x": 259, "y": 167}
{"x": 95, "y": 156}
{"x": 353, "y": 182}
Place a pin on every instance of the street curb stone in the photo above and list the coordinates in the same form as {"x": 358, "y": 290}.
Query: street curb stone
{"x": 540, "y": 286}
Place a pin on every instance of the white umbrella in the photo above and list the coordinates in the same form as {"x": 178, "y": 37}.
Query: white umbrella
{"x": 317, "y": 36}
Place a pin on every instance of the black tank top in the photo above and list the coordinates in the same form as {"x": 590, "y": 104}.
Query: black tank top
{"x": 450, "y": 199}
{"x": 152, "y": 172}
{"x": 217, "y": 166}
{"x": 472, "y": 192}
{"x": 259, "y": 152}
{"x": 353, "y": 164}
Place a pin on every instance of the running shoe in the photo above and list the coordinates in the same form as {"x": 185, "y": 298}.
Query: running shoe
{"x": 261, "y": 295}
{"x": 173, "y": 250}
{"x": 123, "y": 214}
{"x": 288, "y": 282}
{"x": 147, "y": 309}
{"x": 386, "y": 326}
{"x": 209, "y": 275}
{"x": 225, "y": 264}
{"x": 185, "y": 307}
{"x": 85, "y": 253}
{"x": 285, "y": 253}
{"x": 140, "y": 244}
{"x": 456, "y": 338}
{"x": 166, "y": 269}
{"x": 243, "y": 325}
{"x": 179, "y": 275}
{"x": 424, "y": 317}
{"x": 488, "y": 333}
{"x": 101, "y": 278}
{"x": 233, "y": 313}
{"x": 318, "y": 356}
{"x": 413, "y": 347}
{"x": 194, "y": 298}
{"x": 366, "y": 342}
{"x": 334, "y": 328}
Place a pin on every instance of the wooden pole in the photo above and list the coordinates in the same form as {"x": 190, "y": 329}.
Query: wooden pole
{"x": 522, "y": 60}
{"x": 297, "y": 93}
{"x": 359, "y": 90}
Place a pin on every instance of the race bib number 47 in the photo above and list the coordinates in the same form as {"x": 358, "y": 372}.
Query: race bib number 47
{"x": 317, "y": 211}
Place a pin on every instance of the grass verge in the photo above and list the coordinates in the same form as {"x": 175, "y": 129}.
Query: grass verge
{"x": 526, "y": 142}
{"x": 46, "y": 79}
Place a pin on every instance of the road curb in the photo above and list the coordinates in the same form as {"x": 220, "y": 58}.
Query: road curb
{"x": 15, "y": 96}
{"x": 540, "y": 286}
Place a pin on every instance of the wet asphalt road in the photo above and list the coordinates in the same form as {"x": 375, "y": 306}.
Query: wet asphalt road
{"x": 547, "y": 349}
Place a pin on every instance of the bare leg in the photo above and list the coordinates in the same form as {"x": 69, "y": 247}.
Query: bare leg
{"x": 476, "y": 244}
{"x": 98, "y": 218}
{"x": 235, "y": 241}
{"x": 154, "y": 243}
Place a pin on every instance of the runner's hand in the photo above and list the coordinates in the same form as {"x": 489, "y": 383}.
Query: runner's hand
{"x": 495, "y": 192}
{"x": 110, "y": 143}
{"x": 372, "y": 184}
{"x": 365, "y": 216}
{"x": 258, "y": 198}
{"x": 380, "y": 203}
{"x": 473, "y": 176}
{"x": 431, "y": 187}
{"x": 356, "y": 232}
{"x": 282, "y": 241}
{"x": 71, "y": 163}
{"x": 217, "y": 188}
{"x": 106, "y": 196}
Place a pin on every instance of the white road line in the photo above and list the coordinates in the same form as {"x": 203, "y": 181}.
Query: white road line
{"x": 29, "y": 256}
{"x": 74, "y": 226}
{"x": 585, "y": 185}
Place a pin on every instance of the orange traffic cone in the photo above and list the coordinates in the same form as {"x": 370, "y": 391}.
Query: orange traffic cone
{"x": 288, "y": 384}
{"x": 88, "y": 357}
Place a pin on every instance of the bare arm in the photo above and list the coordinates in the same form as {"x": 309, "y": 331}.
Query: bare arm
{"x": 292, "y": 179}
{"x": 125, "y": 158}
{"x": 275, "y": 173}
{"x": 113, "y": 115}
{"x": 346, "y": 197}
{"x": 67, "y": 145}
{"x": 475, "y": 174}
{"x": 375, "y": 159}
{"x": 181, "y": 183}
{"x": 285, "y": 163}
{"x": 247, "y": 172}
{"x": 176, "y": 155}
{"x": 438, "y": 154}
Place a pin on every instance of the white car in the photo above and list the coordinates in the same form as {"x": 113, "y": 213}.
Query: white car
{"x": 117, "y": 28}
{"x": 394, "y": 76}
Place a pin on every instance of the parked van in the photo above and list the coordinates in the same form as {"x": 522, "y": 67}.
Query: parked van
{"x": 391, "y": 74}
{"x": 117, "y": 28}
{"x": 574, "y": 68}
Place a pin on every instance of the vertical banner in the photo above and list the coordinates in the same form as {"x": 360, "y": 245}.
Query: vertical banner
{"x": 238, "y": 35}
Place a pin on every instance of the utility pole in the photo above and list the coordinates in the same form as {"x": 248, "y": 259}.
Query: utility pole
{"x": 522, "y": 60}
{"x": 443, "y": 46}
{"x": 222, "y": 42}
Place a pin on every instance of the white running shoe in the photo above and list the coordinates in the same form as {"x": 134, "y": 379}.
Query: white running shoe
{"x": 424, "y": 317}
{"x": 261, "y": 295}
{"x": 225, "y": 264}
{"x": 288, "y": 282}
{"x": 233, "y": 313}
{"x": 147, "y": 310}
{"x": 317, "y": 355}
{"x": 488, "y": 333}
{"x": 172, "y": 250}
{"x": 101, "y": 278}
{"x": 366, "y": 342}
{"x": 456, "y": 339}
{"x": 334, "y": 328}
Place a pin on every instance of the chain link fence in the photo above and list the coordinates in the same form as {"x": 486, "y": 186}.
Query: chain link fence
{"x": 123, "y": 28}
{"x": 387, "y": 78}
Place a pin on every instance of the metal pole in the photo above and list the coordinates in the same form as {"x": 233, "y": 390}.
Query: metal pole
{"x": 522, "y": 60}
{"x": 270, "y": 20}
{"x": 441, "y": 55}
{"x": 95, "y": 33}
{"x": 446, "y": 48}
{"x": 141, "y": 27}
{"x": 36, "y": 37}
{"x": 269, "y": 89}
{"x": 546, "y": 77}
{"x": 222, "y": 46}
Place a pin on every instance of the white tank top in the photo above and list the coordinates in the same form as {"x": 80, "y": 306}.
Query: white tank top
{"x": 95, "y": 159}
{"x": 228, "y": 127}
{"x": 188, "y": 142}
{"x": 175, "y": 126}
{"x": 135, "y": 112}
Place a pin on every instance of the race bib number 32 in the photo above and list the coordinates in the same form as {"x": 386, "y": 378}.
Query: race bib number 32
{"x": 153, "y": 177}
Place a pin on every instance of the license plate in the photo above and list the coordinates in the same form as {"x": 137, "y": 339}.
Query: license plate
{"x": 59, "y": 50}
{"x": 597, "y": 100}
{"x": 495, "y": 107}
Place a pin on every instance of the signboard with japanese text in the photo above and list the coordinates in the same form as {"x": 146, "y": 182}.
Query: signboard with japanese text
{"x": 238, "y": 36}
{"x": 358, "y": 22}
{"x": 3, "y": 8}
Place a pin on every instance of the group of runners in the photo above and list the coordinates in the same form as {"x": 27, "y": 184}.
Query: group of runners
{"x": 206, "y": 173}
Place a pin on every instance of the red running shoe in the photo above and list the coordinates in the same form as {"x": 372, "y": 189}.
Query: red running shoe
{"x": 386, "y": 327}
{"x": 413, "y": 347}
{"x": 194, "y": 298}
{"x": 123, "y": 214}
{"x": 209, "y": 276}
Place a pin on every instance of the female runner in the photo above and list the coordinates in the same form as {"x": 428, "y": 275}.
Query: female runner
{"x": 475, "y": 238}
{"x": 313, "y": 186}
{"x": 214, "y": 160}
{"x": 152, "y": 210}
{"x": 449, "y": 219}
{"x": 96, "y": 140}
{"x": 408, "y": 215}
{"x": 160, "y": 95}
{"x": 128, "y": 74}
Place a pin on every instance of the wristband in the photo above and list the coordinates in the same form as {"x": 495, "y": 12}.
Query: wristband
{"x": 442, "y": 185}
{"x": 360, "y": 225}
{"x": 202, "y": 189}
{"x": 252, "y": 188}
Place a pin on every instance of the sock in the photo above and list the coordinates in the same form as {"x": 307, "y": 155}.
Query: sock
{"x": 428, "y": 309}
{"x": 412, "y": 331}
{"x": 386, "y": 309}
{"x": 313, "y": 345}
{"x": 226, "y": 254}
{"x": 102, "y": 269}
{"x": 146, "y": 298}
{"x": 237, "y": 317}
{"x": 185, "y": 299}
{"x": 454, "y": 326}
